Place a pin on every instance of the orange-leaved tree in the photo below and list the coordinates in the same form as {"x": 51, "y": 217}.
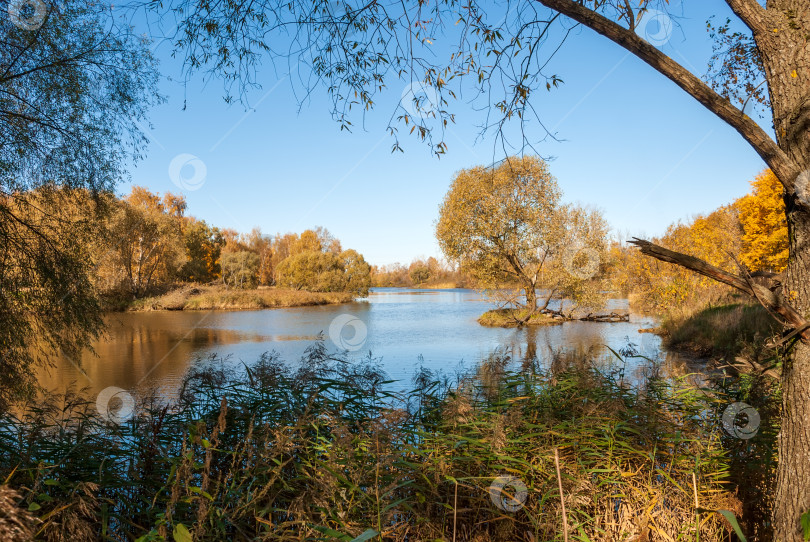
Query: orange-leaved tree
{"x": 663, "y": 288}
{"x": 765, "y": 229}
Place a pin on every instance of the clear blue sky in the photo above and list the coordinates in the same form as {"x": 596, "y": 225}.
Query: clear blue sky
{"x": 633, "y": 145}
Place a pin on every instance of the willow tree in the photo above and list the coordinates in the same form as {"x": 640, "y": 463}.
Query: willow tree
{"x": 74, "y": 90}
{"x": 506, "y": 225}
{"x": 356, "y": 49}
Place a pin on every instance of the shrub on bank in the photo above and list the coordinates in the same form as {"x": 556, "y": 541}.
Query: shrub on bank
{"x": 326, "y": 272}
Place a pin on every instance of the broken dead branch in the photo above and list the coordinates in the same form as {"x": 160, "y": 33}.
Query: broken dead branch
{"x": 768, "y": 296}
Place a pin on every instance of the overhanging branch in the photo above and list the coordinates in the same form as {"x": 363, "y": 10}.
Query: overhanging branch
{"x": 763, "y": 144}
{"x": 767, "y": 298}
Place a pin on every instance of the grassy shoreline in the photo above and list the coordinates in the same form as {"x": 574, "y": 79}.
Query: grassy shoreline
{"x": 445, "y": 285}
{"x": 430, "y": 285}
{"x": 720, "y": 331}
{"x": 514, "y": 317}
{"x": 199, "y": 297}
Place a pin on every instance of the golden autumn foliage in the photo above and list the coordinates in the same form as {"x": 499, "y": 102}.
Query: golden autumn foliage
{"x": 765, "y": 231}
{"x": 420, "y": 273}
{"x": 325, "y": 271}
{"x": 750, "y": 233}
{"x": 507, "y": 226}
{"x": 203, "y": 244}
{"x": 146, "y": 241}
{"x": 659, "y": 286}
{"x": 150, "y": 247}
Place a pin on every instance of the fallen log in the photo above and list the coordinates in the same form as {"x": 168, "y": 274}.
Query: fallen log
{"x": 590, "y": 317}
{"x": 768, "y": 296}
{"x": 611, "y": 317}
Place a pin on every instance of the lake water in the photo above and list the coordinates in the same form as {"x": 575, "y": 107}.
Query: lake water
{"x": 406, "y": 328}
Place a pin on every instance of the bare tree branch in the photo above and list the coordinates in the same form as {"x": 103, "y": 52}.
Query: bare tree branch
{"x": 768, "y": 298}
{"x": 765, "y": 146}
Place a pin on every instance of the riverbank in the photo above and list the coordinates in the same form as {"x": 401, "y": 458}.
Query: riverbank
{"x": 721, "y": 331}
{"x": 199, "y": 297}
{"x": 445, "y": 285}
{"x": 430, "y": 285}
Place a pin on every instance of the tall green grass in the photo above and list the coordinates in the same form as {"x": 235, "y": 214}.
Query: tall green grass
{"x": 329, "y": 450}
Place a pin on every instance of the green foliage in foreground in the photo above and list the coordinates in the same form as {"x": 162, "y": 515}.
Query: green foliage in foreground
{"x": 324, "y": 452}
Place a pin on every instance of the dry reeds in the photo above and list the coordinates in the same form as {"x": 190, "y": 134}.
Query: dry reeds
{"x": 329, "y": 451}
{"x": 200, "y": 297}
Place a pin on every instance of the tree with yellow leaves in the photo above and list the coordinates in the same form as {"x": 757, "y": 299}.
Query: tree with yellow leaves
{"x": 752, "y": 232}
{"x": 148, "y": 246}
{"x": 325, "y": 271}
{"x": 506, "y": 226}
{"x": 663, "y": 288}
{"x": 765, "y": 231}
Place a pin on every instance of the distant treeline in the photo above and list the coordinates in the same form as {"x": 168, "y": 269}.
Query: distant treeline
{"x": 430, "y": 273}
{"x": 144, "y": 244}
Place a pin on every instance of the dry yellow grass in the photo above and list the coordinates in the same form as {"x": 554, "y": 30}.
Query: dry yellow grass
{"x": 445, "y": 285}
{"x": 197, "y": 297}
{"x": 721, "y": 331}
{"x": 514, "y": 317}
{"x": 16, "y": 523}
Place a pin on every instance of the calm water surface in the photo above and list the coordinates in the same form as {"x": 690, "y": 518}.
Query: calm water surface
{"x": 405, "y": 328}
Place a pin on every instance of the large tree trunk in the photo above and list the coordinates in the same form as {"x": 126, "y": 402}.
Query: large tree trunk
{"x": 531, "y": 298}
{"x": 782, "y": 41}
{"x": 791, "y": 301}
{"x": 793, "y": 475}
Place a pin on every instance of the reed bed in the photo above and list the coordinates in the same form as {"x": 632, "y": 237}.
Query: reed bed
{"x": 330, "y": 450}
